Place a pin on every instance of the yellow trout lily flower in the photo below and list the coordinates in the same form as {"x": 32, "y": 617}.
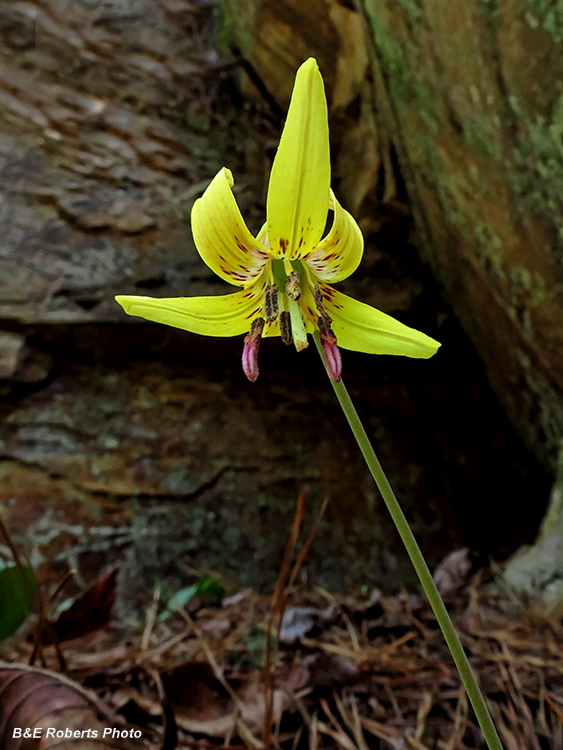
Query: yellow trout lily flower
{"x": 285, "y": 271}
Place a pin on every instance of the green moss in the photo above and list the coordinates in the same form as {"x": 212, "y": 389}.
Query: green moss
{"x": 515, "y": 105}
{"x": 237, "y": 25}
{"x": 489, "y": 243}
{"x": 538, "y": 178}
{"x": 549, "y": 14}
{"x": 491, "y": 8}
{"x": 477, "y": 132}
{"x": 450, "y": 188}
{"x": 411, "y": 8}
{"x": 400, "y": 66}
{"x": 528, "y": 283}
{"x": 391, "y": 55}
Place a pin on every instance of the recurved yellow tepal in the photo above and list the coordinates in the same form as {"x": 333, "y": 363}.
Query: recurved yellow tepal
{"x": 285, "y": 272}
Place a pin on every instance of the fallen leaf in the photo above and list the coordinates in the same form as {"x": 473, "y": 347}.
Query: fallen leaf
{"x": 331, "y": 670}
{"x": 89, "y": 612}
{"x": 453, "y": 571}
{"x": 237, "y": 598}
{"x": 203, "y": 705}
{"x": 55, "y": 708}
{"x": 200, "y": 702}
{"x": 299, "y": 622}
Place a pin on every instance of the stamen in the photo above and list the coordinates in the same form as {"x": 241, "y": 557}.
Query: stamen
{"x": 271, "y": 307}
{"x": 293, "y": 289}
{"x": 320, "y": 307}
{"x": 285, "y": 328}
{"x": 333, "y": 361}
{"x": 326, "y": 331}
{"x": 250, "y": 350}
{"x": 332, "y": 353}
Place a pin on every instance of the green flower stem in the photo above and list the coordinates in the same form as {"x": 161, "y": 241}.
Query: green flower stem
{"x": 442, "y": 616}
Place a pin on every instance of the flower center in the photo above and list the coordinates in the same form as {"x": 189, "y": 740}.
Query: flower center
{"x": 289, "y": 280}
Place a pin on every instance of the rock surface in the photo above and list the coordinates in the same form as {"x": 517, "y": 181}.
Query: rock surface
{"x": 166, "y": 469}
{"x": 100, "y": 160}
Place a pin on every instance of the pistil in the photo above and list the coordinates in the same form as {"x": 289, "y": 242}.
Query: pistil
{"x": 293, "y": 288}
{"x": 298, "y": 332}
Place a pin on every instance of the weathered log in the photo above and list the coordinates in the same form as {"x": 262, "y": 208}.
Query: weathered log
{"x": 468, "y": 95}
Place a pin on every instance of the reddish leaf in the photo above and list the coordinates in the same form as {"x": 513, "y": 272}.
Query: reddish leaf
{"x": 89, "y": 612}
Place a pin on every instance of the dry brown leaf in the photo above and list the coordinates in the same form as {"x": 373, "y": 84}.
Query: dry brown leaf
{"x": 453, "y": 571}
{"x": 202, "y": 704}
{"x": 89, "y": 612}
{"x": 50, "y": 709}
{"x": 331, "y": 670}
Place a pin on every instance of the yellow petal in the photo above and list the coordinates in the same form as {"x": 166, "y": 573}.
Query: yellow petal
{"x": 340, "y": 253}
{"x": 221, "y": 236}
{"x": 362, "y": 328}
{"x": 227, "y": 315}
{"x": 262, "y": 235}
{"x": 298, "y": 193}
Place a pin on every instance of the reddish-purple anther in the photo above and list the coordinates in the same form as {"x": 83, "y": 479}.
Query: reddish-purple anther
{"x": 328, "y": 340}
{"x": 333, "y": 361}
{"x": 251, "y": 348}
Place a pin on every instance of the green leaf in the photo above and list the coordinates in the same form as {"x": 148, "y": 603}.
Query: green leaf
{"x": 178, "y": 601}
{"x": 205, "y": 588}
{"x": 16, "y": 598}
{"x": 210, "y": 588}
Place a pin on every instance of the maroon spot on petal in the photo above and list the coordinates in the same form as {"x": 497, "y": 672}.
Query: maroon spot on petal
{"x": 301, "y": 241}
{"x": 284, "y": 244}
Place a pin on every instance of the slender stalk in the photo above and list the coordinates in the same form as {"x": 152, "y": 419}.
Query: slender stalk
{"x": 440, "y": 611}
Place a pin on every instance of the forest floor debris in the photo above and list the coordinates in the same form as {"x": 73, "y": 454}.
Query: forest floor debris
{"x": 365, "y": 671}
